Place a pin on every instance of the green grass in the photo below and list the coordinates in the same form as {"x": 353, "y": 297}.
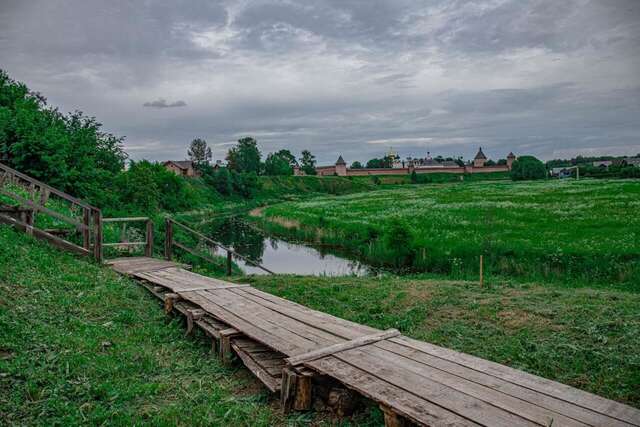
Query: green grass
{"x": 582, "y": 337}
{"x": 574, "y": 232}
{"x": 81, "y": 345}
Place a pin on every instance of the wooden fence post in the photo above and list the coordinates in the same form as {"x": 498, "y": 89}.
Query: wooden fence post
{"x": 148, "y": 250}
{"x": 229, "y": 262}
{"x": 168, "y": 238}
{"x": 86, "y": 232}
{"x": 97, "y": 235}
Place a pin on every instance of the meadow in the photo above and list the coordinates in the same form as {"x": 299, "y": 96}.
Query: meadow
{"x": 570, "y": 231}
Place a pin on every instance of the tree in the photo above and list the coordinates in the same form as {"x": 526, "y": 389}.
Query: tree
{"x": 244, "y": 157}
{"x": 198, "y": 152}
{"x": 528, "y": 168}
{"x": 278, "y": 164}
{"x": 308, "y": 162}
{"x": 286, "y": 154}
{"x": 356, "y": 165}
{"x": 383, "y": 163}
{"x": 490, "y": 163}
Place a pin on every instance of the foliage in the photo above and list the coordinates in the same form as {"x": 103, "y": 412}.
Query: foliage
{"x": 549, "y": 230}
{"x": 528, "y": 168}
{"x": 147, "y": 188}
{"x": 245, "y": 157}
{"x": 279, "y": 163}
{"x": 69, "y": 152}
{"x": 308, "y": 163}
{"x": 383, "y": 163}
{"x": 356, "y": 165}
{"x": 230, "y": 183}
{"x": 199, "y": 152}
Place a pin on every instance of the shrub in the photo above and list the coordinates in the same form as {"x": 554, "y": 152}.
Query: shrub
{"x": 528, "y": 168}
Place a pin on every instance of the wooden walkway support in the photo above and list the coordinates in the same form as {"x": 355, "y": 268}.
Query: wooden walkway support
{"x": 307, "y": 355}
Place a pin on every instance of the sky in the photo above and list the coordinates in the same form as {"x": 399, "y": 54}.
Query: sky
{"x": 543, "y": 77}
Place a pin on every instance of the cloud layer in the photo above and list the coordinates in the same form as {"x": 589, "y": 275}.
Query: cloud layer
{"x": 343, "y": 77}
{"x": 162, "y": 103}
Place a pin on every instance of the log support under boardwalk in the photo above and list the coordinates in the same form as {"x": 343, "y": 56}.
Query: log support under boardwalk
{"x": 392, "y": 419}
{"x": 226, "y": 352}
{"x": 297, "y": 389}
{"x": 169, "y": 301}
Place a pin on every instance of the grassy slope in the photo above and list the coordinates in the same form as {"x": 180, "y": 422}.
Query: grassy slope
{"x": 586, "y": 338}
{"x": 563, "y": 230}
{"x": 79, "y": 344}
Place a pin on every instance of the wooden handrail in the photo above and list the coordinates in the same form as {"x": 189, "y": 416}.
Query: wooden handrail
{"x": 148, "y": 241}
{"x": 169, "y": 242}
{"x": 10, "y": 171}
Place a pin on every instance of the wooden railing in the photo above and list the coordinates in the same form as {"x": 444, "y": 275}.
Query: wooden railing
{"x": 147, "y": 242}
{"x": 170, "y": 242}
{"x": 34, "y": 199}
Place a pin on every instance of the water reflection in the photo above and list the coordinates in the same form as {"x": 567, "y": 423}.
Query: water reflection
{"x": 278, "y": 255}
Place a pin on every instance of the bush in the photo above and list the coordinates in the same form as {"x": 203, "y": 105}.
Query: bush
{"x": 528, "y": 168}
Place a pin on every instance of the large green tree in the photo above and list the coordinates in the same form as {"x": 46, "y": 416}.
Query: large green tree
{"x": 528, "y": 168}
{"x": 308, "y": 162}
{"x": 199, "y": 152}
{"x": 70, "y": 151}
{"x": 278, "y": 164}
{"x": 245, "y": 157}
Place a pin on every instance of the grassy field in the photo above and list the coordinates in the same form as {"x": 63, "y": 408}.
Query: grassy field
{"x": 82, "y": 345}
{"x": 574, "y": 232}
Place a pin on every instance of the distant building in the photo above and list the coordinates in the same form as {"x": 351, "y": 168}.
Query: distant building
{"x": 604, "y": 164}
{"x": 510, "y": 159}
{"x": 632, "y": 161}
{"x": 480, "y": 159}
{"x": 181, "y": 167}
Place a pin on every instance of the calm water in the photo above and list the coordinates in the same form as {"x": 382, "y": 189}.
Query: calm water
{"x": 278, "y": 255}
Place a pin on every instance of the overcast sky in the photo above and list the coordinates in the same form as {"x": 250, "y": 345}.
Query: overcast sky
{"x": 553, "y": 78}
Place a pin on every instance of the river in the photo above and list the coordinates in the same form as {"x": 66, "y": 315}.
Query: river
{"x": 280, "y": 256}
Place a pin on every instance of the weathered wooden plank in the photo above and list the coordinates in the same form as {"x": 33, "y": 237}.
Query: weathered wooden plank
{"x": 271, "y": 382}
{"x": 331, "y": 324}
{"x": 260, "y": 318}
{"x": 285, "y": 324}
{"x": 462, "y": 404}
{"x": 530, "y": 396}
{"x": 414, "y": 408}
{"x": 259, "y": 334}
{"x": 336, "y": 348}
{"x": 486, "y": 394}
{"x": 560, "y": 391}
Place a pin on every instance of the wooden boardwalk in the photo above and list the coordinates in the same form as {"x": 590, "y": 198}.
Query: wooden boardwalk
{"x": 297, "y": 351}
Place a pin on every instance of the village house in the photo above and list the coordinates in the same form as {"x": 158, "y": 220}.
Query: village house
{"x": 181, "y": 167}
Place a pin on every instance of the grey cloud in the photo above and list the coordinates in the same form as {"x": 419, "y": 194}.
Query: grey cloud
{"x": 536, "y": 76}
{"x": 162, "y": 103}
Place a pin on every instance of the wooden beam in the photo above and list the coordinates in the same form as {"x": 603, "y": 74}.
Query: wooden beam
{"x": 226, "y": 352}
{"x": 391, "y": 418}
{"x": 347, "y": 345}
{"x": 37, "y": 207}
{"x": 192, "y": 316}
{"x": 41, "y": 234}
{"x": 125, "y": 244}
{"x": 127, "y": 219}
{"x": 168, "y": 238}
{"x": 148, "y": 250}
{"x": 97, "y": 234}
{"x": 169, "y": 301}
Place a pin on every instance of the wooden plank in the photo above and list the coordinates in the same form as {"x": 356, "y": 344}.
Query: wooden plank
{"x": 216, "y": 288}
{"x": 129, "y": 219}
{"x": 486, "y": 394}
{"x": 424, "y": 388}
{"x": 318, "y": 320}
{"x": 347, "y": 345}
{"x": 271, "y": 382}
{"x": 247, "y": 328}
{"x": 347, "y": 330}
{"x": 301, "y": 337}
{"x": 533, "y": 397}
{"x": 125, "y": 244}
{"x": 414, "y": 408}
{"x": 551, "y": 388}
{"x": 285, "y": 324}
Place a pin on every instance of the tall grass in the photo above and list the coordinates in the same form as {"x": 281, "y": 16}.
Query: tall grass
{"x": 570, "y": 231}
